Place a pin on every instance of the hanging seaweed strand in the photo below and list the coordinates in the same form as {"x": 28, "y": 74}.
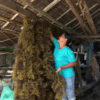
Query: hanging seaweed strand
{"x": 34, "y": 74}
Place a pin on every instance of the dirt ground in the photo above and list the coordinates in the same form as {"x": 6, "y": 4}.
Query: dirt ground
{"x": 91, "y": 94}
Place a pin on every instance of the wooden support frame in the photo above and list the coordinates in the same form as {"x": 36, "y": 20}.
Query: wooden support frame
{"x": 16, "y": 8}
{"x": 51, "y": 5}
{"x": 97, "y": 1}
{"x": 91, "y": 15}
{"x": 17, "y": 32}
{"x": 95, "y": 67}
{"x": 65, "y": 13}
{"x": 84, "y": 8}
{"x": 8, "y": 39}
{"x": 5, "y": 68}
{"x": 10, "y": 21}
{"x": 83, "y": 36}
{"x": 75, "y": 11}
{"x": 97, "y": 40}
{"x": 11, "y": 32}
{"x": 6, "y": 77}
{"x": 80, "y": 15}
{"x": 78, "y": 70}
{"x": 13, "y": 17}
{"x": 51, "y": 19}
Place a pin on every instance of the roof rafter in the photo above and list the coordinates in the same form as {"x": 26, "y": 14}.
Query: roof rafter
{"x": 98, "y": 40}
{"x": 17, "y": 32}
{"x": 80, "y": 15}
{"x": 7, "y": 36}
{"x": 60, "y": 25}
{"x": 11, "y": 21}
{"x": 75, "y": 11}
{"x": 15, "y": 7}
{"x": 12, "y": 18}
{"x": 97, "y": 1}
{"x": 65, "y": 13}
{"x": 7, "y": 40}
{"x": 91, "y": 15}
{"x": 84, "y": 8}
{"x": 11, "y": 32}
{"x": 83, "y": 36}
{"x": 51, "y": 5}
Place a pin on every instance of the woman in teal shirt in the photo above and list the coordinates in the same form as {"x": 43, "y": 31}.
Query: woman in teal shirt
{"x": 64, "y": 62}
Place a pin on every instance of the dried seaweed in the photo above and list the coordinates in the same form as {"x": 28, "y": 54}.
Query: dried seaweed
{"x": 35, "y": 77}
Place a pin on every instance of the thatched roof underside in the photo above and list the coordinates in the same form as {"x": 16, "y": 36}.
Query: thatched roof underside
{"x": 80, "y": 18}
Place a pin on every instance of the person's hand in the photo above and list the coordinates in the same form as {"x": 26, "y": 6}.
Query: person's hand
{"x": 59, "y": 70}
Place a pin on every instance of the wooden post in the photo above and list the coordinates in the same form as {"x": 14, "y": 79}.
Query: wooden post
{"x": 79, "y": 72}
{"x": 75, "y": 11}
{"x": 86, "y": 14}
{"x": 95, "y": 67}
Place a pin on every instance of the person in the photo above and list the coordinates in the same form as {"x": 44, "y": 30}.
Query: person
{"x": 65, "y": 60}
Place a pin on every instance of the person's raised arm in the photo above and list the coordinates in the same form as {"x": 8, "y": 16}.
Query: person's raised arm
{"x": 51, "y": 36}
{"x": 54, "y": 40}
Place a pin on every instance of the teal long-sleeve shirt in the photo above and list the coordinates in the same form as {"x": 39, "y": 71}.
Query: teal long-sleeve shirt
{"x": 63, "y": 57}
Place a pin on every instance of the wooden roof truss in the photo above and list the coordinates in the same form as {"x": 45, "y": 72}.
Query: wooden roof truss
{"x": 80, "y": 10}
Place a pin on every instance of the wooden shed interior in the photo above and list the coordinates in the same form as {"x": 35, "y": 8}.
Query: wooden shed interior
{"x": 79, "y": 18}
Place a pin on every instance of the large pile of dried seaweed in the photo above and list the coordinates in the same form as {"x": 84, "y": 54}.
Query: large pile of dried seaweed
{"x": 34, "y": 74}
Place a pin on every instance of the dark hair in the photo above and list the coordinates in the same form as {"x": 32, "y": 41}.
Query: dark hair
{"x": 67, "y": 36}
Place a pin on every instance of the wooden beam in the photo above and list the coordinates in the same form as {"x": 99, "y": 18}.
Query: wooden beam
{"x": 4, "y": 44}
{"x": 11, "y": 32}
{"x": 15, "y": 7}
{"x": 83, "y": 36}
{"x": 11, "y": 21}
{"x": 12, "y": 18}
{"x": 97, "y": 1}
{"x": 7, "y": 40}
{"x": 7, "y": 23}
{"x": 65, "y": 13}
{"x": 7, "y": 37}
{"x": 84, "y": 8}
{"x": 95, "y": 67}
{"x": 80, "y": 15}
{"x": 75, "y": 11}
{"x": 6, "y": 68}
{"x": 4, "y": 53}
{"x": 79, "y": 71}
{"x": 51, "y": 5}
{"x": 3, "y": 77}
{"x": 51, "y": 19}
{"x": 91, "y": 15}
{"x": 97, "y": 40}
{"x": 4, "y": 74}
